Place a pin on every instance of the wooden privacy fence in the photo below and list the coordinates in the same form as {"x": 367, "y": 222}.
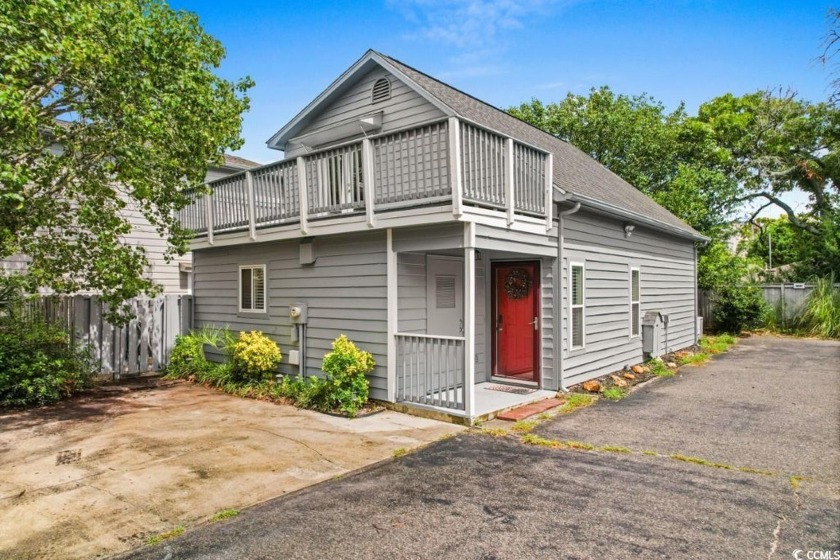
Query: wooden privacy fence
{"x": 143, "y": 345}
{"x": 789, "y": 299}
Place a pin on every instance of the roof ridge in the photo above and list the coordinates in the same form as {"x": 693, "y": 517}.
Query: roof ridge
{"x": 474, "y": 98}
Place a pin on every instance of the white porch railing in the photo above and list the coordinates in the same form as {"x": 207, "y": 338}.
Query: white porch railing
{"x": 448, "y": 161}
{"x": 430, "y": 370}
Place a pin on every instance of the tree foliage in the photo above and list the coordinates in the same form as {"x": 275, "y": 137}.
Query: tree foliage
{"x": 668, "y": 156}
{"x": 105, "y": 108}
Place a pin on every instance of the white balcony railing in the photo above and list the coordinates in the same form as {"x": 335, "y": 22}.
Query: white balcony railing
{"x": 445, "y": 162}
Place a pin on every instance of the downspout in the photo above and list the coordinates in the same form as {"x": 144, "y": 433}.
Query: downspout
{"x": 558, "y": 297}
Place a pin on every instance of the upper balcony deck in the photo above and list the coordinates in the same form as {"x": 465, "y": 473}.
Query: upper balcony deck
{"x": 449, "y": 162}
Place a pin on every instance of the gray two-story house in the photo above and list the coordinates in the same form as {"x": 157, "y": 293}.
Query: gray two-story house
{"x": 481, "y": 260}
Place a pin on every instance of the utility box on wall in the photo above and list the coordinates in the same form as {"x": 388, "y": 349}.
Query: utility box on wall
{"x": 653, "y": 327}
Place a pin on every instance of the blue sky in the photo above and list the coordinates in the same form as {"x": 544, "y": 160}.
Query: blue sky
{"x": 509, "y": 51}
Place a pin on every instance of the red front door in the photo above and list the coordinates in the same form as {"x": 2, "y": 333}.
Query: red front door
{"x": 516, "y": 311}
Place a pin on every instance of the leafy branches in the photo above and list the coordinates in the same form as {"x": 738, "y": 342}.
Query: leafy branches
{"x": 105, "y": 110}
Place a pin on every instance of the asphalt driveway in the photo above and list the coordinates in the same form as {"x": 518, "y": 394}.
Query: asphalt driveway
{"x": 766, "y": 414}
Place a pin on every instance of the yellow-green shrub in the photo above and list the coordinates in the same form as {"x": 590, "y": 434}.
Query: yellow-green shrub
{"x": 346, "y": 385}
{"x": 254, "y": 356}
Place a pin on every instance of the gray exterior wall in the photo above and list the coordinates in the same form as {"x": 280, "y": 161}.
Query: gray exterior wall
{"x": 404, "y": 109}
{"x": 345, "y": 290}
{"x": 166, "y": 274}
{"x": 667, "y": 275}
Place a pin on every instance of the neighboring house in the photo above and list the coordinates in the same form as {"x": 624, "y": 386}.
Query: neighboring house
{"x": 174, "y": 277}
{"x": 467, "y": 250}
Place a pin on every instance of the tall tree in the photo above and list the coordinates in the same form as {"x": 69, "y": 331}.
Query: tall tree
{"x": 666, "y": 155}
{"x": 104, "y": 105}
{"x": 775, "y": 143}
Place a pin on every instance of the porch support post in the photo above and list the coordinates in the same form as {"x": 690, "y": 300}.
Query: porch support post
{"x": 391, "y": 283}
{"x": 510, "y": 193}
{"x": 210, "y": 217}
{"x": 367, "y": 180}
{"x": 469, "y": 320}
{"x": 303, "y": 196}
{"x": 252, "y": 207}
{"x": 455, "y": 165}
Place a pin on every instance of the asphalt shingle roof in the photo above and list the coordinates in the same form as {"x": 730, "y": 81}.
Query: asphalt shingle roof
{"x": 574, "y": 171}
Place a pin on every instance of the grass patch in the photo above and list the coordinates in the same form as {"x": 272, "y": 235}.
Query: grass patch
{"x": 614, "y": 393}
{"x": 399, "y": 452}
{"x": 578, "y": 445}
{"x": 697, "y": 358}
{"x": 649, "y": 452}
{"x": 155, "y": 539}
{"x": 545, "y": 416}
{"x": 574, "y": 401}
{"x": 796, "y": 481}
{"x": 699, "y": 461}
{"x": 751, "y": 470}
{"x": 659, "y": 369}
{"x": 716, "y": 344}
{"x": 224, "y": 514}
{"x": 614, "y": 449}
{"x": 533, "y": 439}
{"x": 524, "y": 426}
{"x": 495, "y": 432}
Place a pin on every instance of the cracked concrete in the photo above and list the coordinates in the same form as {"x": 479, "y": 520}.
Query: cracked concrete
{"x": 95, "y": 476}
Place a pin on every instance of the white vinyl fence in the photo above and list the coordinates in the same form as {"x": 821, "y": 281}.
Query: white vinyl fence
{"x": 143, "y": 345}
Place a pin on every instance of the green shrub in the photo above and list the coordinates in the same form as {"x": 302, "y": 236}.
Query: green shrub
{"x": 738, "y": 307}
{"x": 254, "y": 357}
{"x": 38, "y": 366}
{"x": 346, "y": 367}
{"x": 187, "y": 358}
{"x": 306, "y": 392}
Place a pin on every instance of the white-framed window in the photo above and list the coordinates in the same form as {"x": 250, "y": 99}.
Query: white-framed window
{"x": 635, "y": 302}
{"x": 252, "y": 288}
{"x": 577, "y": 299}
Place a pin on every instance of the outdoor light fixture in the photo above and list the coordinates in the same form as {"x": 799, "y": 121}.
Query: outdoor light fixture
{"x": 628, "y": 230}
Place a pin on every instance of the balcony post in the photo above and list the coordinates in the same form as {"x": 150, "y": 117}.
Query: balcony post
{"x": 368, "y": 181}
{"x": 210, "y": 217}
{"x": 303, "y": 196}
{"x": 549, "y": 186}
{"x": 455, "y": 165}
{"x": 252, "y": 207}
{"x": 510, "y": 191}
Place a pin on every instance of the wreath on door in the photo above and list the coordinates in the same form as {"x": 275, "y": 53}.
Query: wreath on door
{"x": 517, "y": 283}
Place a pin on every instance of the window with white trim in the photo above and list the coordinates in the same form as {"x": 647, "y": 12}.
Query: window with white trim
{"x": 635, "y": 302}
{"x": 252, "y": 288}
{"x": 577, "y": 299}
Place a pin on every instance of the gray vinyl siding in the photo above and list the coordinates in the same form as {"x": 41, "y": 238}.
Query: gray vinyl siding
{"x": 411, "y": 293}
{"x": 345, "y": 291}
{"x": 405, "y": 109}
{"x": 666, "y": 265}
{"x": 412, "y": 312}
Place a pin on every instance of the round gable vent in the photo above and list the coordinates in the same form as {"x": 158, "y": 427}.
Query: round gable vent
{"x": 381, "y": 90}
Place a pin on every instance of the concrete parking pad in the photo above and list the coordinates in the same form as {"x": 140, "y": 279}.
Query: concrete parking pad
{"x": 95, "y": 476}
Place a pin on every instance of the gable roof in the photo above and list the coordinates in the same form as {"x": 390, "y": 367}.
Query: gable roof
{"x": 578, "y": 175}
{"x": 239, "y": 162}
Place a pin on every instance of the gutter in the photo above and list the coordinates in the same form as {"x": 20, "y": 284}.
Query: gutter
{"x": 559, "y": 197}
{"x": 638, "y": 218}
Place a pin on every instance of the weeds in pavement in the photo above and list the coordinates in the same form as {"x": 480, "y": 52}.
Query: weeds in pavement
{"x": 224, "y": 514}
{"x": 659, "y": 369}
{"x": 697, "y": 358}
{"x": 399, "y": 452}
{"x": 524, "y": 426}
{"x": 699, "y": 461}
{"x": 155, "y": 539}
{"x": 575, "y": 401}
{"x": 614, "y": 393}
